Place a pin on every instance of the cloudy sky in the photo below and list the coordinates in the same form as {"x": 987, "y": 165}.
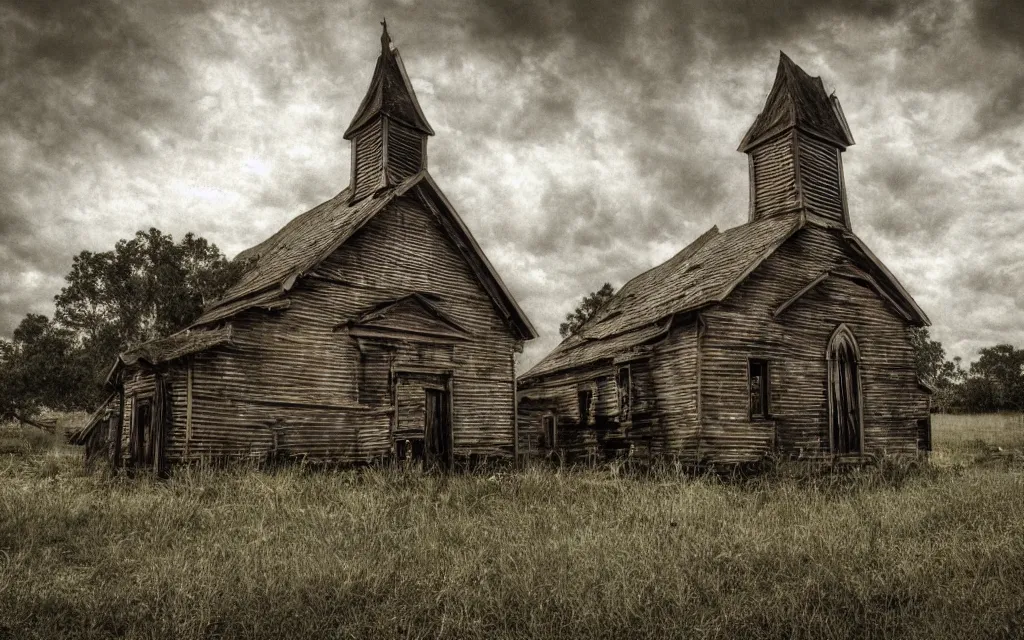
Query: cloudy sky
{"x": 582, "y": 142}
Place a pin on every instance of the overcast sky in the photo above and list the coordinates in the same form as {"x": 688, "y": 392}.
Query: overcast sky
{"x": 582, "y": 142}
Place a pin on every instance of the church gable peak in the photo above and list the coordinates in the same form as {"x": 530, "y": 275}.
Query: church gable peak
{"x": 795, "y": 146}
{"x": 389, "y": 131}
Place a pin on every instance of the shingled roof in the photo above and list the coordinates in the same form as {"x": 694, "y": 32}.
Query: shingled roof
{"x": 273, "y": 266}
{"x": 704, "y": 272}
{"x": 390, "y": 93}
{"x": 798, "y": 100}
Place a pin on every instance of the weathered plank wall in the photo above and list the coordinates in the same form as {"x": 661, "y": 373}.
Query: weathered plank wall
{"x": 405, "y": 151}
{"x": 795, "y": 343}
{"x": 294, "y": 382}
{"x": 139, "y": 384}
{"x": 367, "y": 159}
{"x": 774, "y": 177}
{"x": 820, "y": 176}
{"x": 674, "y": 374}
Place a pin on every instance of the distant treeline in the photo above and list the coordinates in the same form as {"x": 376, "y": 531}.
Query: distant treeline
{"x": 146, "y": 287}
{"x": 994, "y": 382}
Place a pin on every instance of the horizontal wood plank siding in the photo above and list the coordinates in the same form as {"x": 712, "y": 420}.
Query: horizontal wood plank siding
{"x": 369, "y": 160}
{"x": 405, "y": 152}
{"x": 820, "y": 177}
{"x": 774, "y": 177}
{"x": 794, "y": 343}
{"x": 674, "y": 376}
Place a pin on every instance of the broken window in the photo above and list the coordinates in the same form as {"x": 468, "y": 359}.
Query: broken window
{"x": 550, "y": 432}
{"x": 758, "y": 389}
{"x": 584, "y": 397}
{"x": 624, "y": 383}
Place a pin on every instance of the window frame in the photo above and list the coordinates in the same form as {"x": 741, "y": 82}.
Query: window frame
{"x": 584, "y": 410}
{"x": 764, "y": 390}
{"x": 550, "y": 435}
{"x": 625, "y": 408}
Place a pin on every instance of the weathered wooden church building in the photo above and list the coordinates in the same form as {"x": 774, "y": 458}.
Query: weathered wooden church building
{"x": 371, "y": 326}
{"x": 784, "y": 334}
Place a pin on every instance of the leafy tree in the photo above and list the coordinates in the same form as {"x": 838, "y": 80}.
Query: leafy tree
{"x": 590, "y": 305}
{"x": 146, "y": 287}
{"x": 40, "y": 366}
{"x": 929, "y": 356}
{"x": 1002, "y": 366}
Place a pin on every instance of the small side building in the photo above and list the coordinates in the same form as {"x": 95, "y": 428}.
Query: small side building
{"x": 782, "y": 335}
{"x": 372, "y": 326}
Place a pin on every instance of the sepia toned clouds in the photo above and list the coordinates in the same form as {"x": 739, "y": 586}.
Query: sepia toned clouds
{"x": 583, "y": 142}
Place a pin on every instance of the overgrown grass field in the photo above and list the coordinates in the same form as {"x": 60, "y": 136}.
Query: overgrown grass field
{"x": 934, "y": 552}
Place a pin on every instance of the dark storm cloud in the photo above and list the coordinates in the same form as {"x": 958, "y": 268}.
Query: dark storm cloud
{"x": 1001, "y": 22}
{"x": 582, "y": 141}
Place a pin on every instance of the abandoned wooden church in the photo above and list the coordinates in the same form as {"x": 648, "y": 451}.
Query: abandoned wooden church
{"x": 784, "y": 334}
{"x": 371, "y": 326}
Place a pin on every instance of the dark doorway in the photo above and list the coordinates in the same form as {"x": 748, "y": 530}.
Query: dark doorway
{"x": 437, "y": 429}
{"x": 140, "y": 446}
{"x": 844, "y": 393}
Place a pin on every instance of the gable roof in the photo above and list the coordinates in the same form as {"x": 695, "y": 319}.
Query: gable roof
{"x": 798, "y": 100}
{"x": 390, "y": 93}
{"x": 414, "y": 313}
{"x": 273, "y": 266}
{"x": 702, "y": 274}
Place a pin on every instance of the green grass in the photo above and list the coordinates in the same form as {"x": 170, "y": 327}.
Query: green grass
{"x": 936, "y": 552}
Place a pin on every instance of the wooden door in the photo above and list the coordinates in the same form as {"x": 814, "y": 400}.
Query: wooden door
{"x": 437, "y": 429}
{"x": 138, "y": 443}
{"x": 844, "y": 393}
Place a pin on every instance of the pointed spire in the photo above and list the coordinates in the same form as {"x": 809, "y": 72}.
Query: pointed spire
{"x": 390, "y": 93}
{"x": 798, "y": 100}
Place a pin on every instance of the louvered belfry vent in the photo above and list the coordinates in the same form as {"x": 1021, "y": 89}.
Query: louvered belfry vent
{"x": 794, "y": 149}
{"x": 389, "y": 131}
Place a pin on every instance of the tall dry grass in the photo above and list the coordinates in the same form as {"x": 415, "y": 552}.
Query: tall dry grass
{"x": 936, "y": 552}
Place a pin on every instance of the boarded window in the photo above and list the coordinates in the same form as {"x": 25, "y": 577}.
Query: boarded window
{"x": 585, "y": 396}
{"x": 758, "y": 386}
{"x": 550, "y": 432}
{"x": 624, "y": 382}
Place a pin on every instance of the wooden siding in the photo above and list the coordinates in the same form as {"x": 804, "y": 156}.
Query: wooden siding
{"x": 774, "y": 177}
{"x": 794, "y": 343}
{"x": 367, "y": 160}
{"x": 820, "y": 177}
{"x": 295, "y": 383}
{"x": 405, "y": 152}
{"x": 674, "y": 374}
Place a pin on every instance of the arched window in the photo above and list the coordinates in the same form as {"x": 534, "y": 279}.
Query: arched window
{"x": 846, "y": 434}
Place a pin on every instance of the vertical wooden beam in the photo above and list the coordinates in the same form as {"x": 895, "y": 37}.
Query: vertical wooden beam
{"x": 794, "y": 140}
{"x": 384, "y": 180}
{"x": 842, "y": 190}
{"x": 188, "y": 410}
{"x": 515, "y": 413}
{"x": 752, "y": 211}
{"x": 450, "y": 462}
{"x": 701, "y": 327}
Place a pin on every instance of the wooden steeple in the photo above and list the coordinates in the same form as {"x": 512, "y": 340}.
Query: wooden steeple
{"x": 795, "y": 147}
{"x": 389, "y": 131}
